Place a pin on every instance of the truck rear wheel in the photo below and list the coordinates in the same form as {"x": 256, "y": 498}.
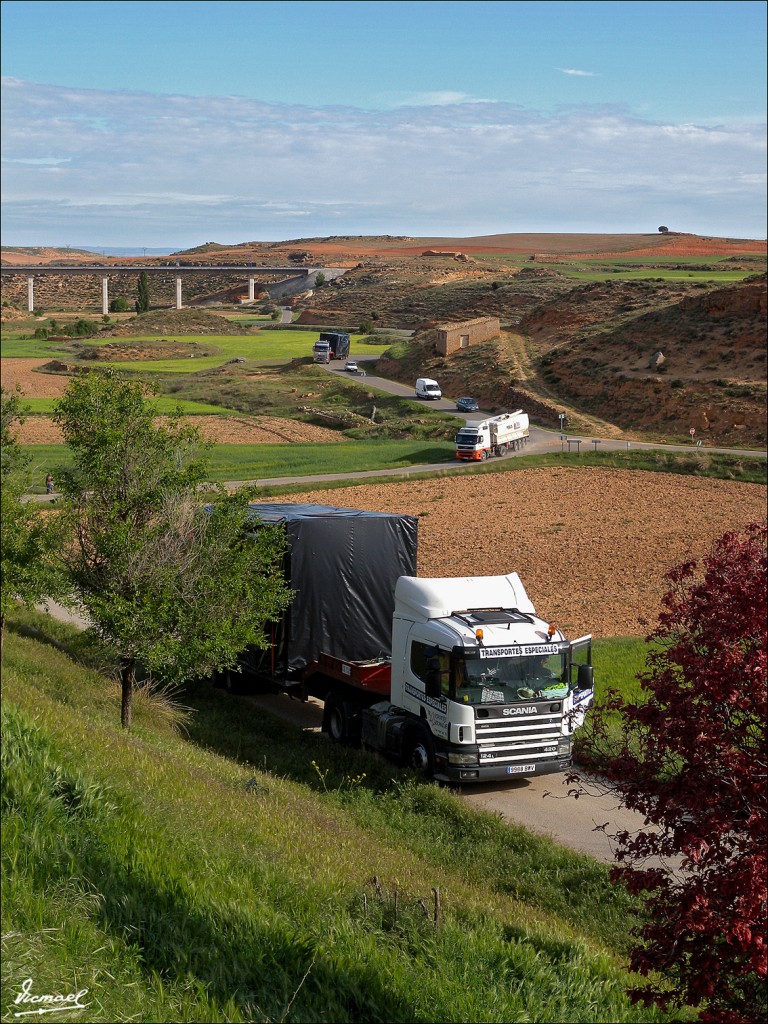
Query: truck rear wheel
{"x": 341, "y": 721}
{"x": 335, "y": 720}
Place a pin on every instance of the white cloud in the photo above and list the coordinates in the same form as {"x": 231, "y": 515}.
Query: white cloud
{"x": 439, "y": 99}
{"x": 577, "y": 73}
{"x": 134, "y": 168}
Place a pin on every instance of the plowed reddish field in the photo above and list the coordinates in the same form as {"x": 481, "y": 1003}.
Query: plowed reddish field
{"x": 591, "y": 545}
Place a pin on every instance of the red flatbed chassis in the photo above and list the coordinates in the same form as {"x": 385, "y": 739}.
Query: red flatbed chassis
{"x": 368, "y": 676}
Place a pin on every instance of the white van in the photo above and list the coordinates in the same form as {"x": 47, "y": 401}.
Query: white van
{"x": 426, "y": 388}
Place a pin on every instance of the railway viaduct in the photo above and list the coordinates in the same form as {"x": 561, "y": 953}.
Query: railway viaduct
{"x": 293, "y": 279}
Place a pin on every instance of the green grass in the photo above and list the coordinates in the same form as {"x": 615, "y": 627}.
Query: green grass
{"x": 222, "y": 876}
{"x": 264, "y": 462}
{"x": 617, "y": 662}
{"x": 166, "y": 406}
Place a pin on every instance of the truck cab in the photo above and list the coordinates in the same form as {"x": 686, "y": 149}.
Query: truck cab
{"x": 321, "y": 350}
{"x": 481, "y": 688}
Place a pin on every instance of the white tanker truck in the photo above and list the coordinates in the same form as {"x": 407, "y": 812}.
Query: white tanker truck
{"x": 494, "y": 436}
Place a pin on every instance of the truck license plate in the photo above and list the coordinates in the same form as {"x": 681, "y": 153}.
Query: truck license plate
{"x": 520, "y": 769}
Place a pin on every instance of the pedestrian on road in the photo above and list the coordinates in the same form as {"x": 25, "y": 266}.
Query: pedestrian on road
{"x": 49, "y": 484}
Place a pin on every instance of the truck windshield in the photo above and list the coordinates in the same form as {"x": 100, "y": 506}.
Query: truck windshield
{"x": 466, "y": 437}
{"x": 510, "y": 680}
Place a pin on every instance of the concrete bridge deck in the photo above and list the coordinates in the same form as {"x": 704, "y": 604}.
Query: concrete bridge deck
{"x": 294, "y": 279}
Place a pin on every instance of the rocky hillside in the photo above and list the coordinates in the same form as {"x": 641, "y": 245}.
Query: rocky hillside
{"x": 418, "y": 292}
{"x": 692, "y": 360}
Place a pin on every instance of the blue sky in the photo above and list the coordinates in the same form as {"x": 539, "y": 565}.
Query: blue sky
{"x": 152, "y": 124}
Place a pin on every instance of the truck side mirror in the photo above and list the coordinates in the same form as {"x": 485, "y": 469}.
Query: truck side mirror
{"x": 586, "y": 678}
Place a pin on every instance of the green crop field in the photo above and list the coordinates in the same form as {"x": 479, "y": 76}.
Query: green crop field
{"x": 652, "y": 274}
{"x": 234, "y": 462}
{"x": 239, "y": 462}
{"x": 265, "y": 348}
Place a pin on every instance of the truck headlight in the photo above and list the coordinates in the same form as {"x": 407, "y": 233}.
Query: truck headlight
{"x": 457, "y": 758}
{"x": 564, "y": 746}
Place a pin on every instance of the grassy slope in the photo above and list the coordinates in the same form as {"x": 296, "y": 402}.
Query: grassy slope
{"x": 177, "y": 881}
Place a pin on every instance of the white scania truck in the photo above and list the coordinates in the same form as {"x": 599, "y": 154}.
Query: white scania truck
{"x": 495, "y": 436}
{"x": 457, "y": 678}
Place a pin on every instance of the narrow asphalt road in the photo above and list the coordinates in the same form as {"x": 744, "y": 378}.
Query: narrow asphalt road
{"x": 541, "y": 441}
{"x": 541, "y": 804}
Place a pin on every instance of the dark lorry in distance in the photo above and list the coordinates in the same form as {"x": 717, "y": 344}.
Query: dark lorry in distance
{"x": 331, "y": 345}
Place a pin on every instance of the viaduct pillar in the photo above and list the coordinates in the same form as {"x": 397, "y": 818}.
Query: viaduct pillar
{"x": 105, "y": 295}
{"x": 178, "y": 293}
{"x": 250, "y": 287}
{"x": 30, "y": 293}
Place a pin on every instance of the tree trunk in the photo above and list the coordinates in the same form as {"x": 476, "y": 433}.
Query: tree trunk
{"x": 127, "y": 678}
{"x": 2, "y": 635}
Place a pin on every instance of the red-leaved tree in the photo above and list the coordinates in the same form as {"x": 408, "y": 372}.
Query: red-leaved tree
{"x": 692, "y": 760}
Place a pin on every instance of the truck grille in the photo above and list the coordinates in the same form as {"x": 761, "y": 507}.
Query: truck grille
{"x": 504, "y": 741}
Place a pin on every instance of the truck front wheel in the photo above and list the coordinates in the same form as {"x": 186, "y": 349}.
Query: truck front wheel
{"x": 419, "y": 755}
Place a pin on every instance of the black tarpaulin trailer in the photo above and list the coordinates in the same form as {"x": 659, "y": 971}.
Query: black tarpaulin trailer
{"x": 343, "y": 565}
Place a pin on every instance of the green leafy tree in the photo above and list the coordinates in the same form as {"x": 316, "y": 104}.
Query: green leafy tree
{"x": 119, "y": 305}
{"x": 171, "y": 585}
{"x": 29, "y": 571}
{"x": 319, "y": 279}
{"x": 142, "y": 296}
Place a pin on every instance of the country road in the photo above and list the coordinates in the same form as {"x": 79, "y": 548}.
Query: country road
{"x": 541, "y": 805}
{"x": 541, "y": 441}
